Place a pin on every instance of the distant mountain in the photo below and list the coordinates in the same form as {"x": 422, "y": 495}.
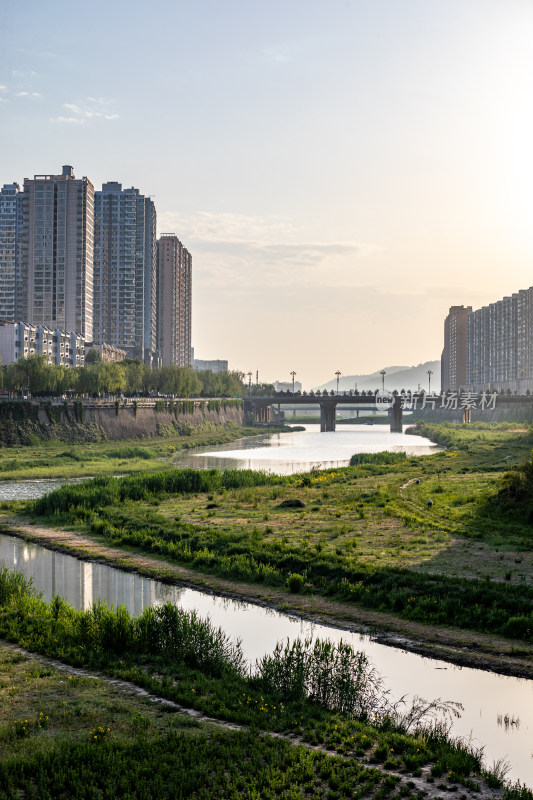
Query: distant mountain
{"x": 408, "y": 378}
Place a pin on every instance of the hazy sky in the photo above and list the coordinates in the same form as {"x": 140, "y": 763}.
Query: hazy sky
{"x": 342, "y": 171}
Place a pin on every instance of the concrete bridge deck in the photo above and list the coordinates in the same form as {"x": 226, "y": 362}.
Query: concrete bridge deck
{"x": 260, "y": 407}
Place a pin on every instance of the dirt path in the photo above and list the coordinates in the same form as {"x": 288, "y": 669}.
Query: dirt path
{"x": 420, "y": 784}
{"x": 465, "y": 648}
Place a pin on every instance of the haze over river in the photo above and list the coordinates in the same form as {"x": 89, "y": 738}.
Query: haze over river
{"x": 487, "y": 698}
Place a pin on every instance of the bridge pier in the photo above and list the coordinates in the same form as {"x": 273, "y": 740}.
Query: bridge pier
{"x": 327, "y": 417}
{"x": 263, "y": 412}
{"x": 396, "y": 417}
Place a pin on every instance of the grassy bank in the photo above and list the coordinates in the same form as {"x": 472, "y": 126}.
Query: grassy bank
{"x": 412, "y": 538}
{"x": 69, "y": 735}
{"x": 56, "y": 460}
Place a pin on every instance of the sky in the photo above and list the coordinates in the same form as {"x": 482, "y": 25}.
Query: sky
{"x": 342, "y": 171}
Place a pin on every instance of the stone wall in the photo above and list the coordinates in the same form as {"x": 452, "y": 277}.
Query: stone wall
{"x": 23, "y": 422}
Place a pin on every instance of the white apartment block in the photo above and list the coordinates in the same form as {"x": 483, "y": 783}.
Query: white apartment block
{"x": 21, "y": 340}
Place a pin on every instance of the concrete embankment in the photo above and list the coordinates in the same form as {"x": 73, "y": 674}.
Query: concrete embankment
{"x": 27, "y": 422}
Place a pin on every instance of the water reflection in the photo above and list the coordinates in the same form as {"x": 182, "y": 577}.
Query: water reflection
{"x": 289, "y": 453}
{"x": 32, "y": 489}
{"x": 488, "y": 699}
{"x": 81, "y": 583}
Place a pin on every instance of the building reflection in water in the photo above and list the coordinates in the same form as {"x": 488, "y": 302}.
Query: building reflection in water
{"x": 81, "y": 583}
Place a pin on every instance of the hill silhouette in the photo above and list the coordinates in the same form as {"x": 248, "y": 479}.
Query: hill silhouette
{"x": 408, "y": 378}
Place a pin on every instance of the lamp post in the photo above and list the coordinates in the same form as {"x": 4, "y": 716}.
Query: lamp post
{"x": 338, "y": 374}
{"x": 430, "y": 373}
{"x": 293, "y": 373}
{"x": 383, "y": 373}
{"x": 249, "y": 384}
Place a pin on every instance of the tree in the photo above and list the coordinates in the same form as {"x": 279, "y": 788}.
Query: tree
{"x": 92, "y": 356}
{"x": 135, "y": 372}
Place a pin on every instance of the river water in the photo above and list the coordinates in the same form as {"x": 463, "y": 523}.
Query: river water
{"x": 488, "y": 699}
{"x": 287, "y": 453}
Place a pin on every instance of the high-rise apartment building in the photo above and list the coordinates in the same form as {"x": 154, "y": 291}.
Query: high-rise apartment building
{"x": 57, "y": 258}
{"x": 11, "y": 283}
{"x": 174, "y": 284}
{"x": 500, "y": 344}
{"x": 454, "y": 354}
{"x": 125, "y": 271}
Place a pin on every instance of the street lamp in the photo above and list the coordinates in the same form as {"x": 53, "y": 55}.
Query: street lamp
{"x": 293, "y": 373}
{"x": 430, "y": 373}
{"x": 249, "y": 384}
{"x": 521, "y": 387}
{"x": 383, "y": 373}
{"x": 338, "y": 374}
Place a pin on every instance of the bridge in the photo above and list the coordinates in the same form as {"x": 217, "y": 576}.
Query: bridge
{"x": 259, "y": 408}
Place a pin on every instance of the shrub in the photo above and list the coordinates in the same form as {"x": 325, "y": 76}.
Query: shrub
{"x": 295, "y": 582}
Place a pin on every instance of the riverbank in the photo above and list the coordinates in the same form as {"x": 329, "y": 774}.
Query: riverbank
{"x": 186, "y": 665}
{"x": 27, "y": 422}
{"x": 459, "y": 647}
{"x": 54, "y": 459}
{"x": 403, "y": 548}
{"x": 118, "y": 712}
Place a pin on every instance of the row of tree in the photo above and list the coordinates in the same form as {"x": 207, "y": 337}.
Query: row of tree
{"x": 129, "y": 377}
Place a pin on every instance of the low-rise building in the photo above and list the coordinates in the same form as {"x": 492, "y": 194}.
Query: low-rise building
{"x": 21, "y": 340}
{"x": 108, "y": 352}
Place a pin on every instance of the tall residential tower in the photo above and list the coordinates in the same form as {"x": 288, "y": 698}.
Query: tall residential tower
{"x": 174, "y": 277}
{"x": 57, "y": 237}
{"x": 454, "y": 354}
{"x": 12, "y": 297}
{"x": 125, "y": 271}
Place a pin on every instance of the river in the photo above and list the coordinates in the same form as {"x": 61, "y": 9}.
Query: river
{"x": 287, "y": 453}
{"x": 488, "y": 699}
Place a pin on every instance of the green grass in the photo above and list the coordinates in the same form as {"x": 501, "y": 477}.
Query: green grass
{"x": 365, "y": 534}
{"x": 302, "y": 689}
{"x": 55, "y": 460}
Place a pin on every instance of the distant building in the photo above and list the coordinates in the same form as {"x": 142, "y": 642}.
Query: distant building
{"x": 125, "y": 270}
{"x": 11, "y": 283}
{"x": 174, "y": 295}
{"x": 21, "y": 340}
{"x": 500, "y": 344}
{"x": 286, "y": 386}
{"x": 108, "y": 352}
{"x": 454, "y": 354}
{"x": 215, "y": 365}
{"x": 57, "y": 252}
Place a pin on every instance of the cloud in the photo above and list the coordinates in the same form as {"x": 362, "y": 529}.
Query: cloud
{"x": 28, "y": 94}
{"x": 23, "y": 74}
{"x": 252, "y": 252}
{"x": 92, "y": 109}
{"x": 36, "y": 53}
{"x": 278, "y": 53}
{"x": 206, "y": 226}
{"x": 70, "y": 120}
{"x": 3, "y": 88}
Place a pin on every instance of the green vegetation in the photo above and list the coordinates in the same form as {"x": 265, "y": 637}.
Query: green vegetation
{"x": 364, "y": 535}
{"x": 76, "y": 737}
{"x": 395, "y": 537}
{"x": 383, "y": 458}
{"x": 130, "y": 376}
{"x": 53, "y": 459}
